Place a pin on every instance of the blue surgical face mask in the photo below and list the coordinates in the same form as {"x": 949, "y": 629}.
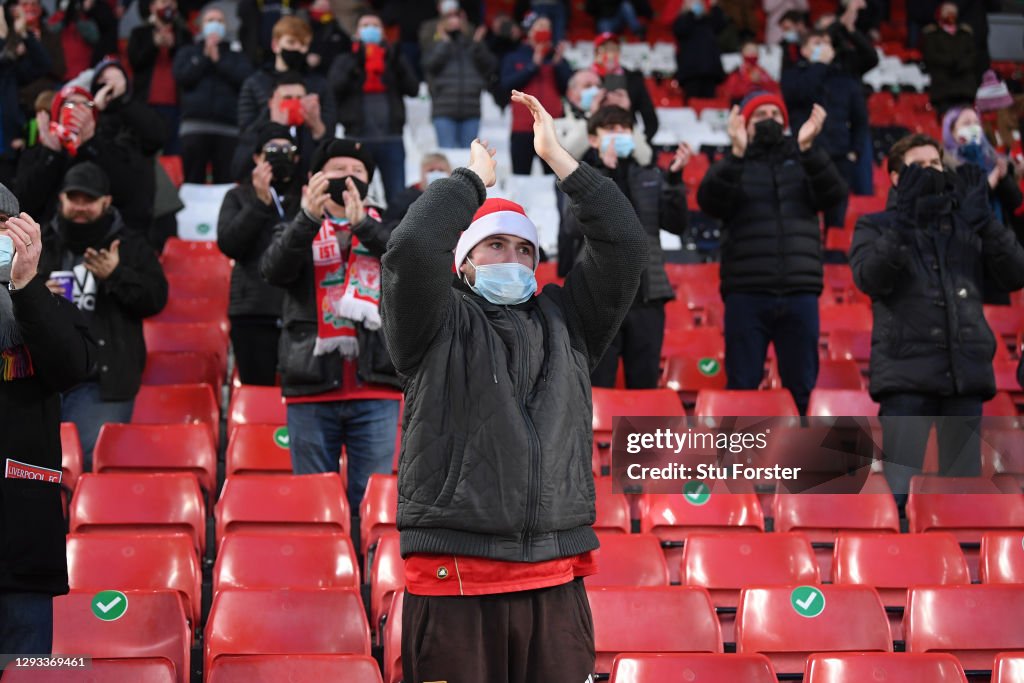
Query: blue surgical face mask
{"x": 504, "y": 284}
{"x": 215, "y": 28}
{"x": 623, "y": 143}
{"x": 791, "y": 36}
{"x": 6, "y": 253}
{"x": 371, "y": 34}
{"x": 587, "y": 96}
{"x": 435, "y": 175}
{"x": 697, "y": 9}
{"x": 816, "y": 53}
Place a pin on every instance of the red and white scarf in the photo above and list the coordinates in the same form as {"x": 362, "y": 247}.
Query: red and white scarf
{"x": 347, "y": 290}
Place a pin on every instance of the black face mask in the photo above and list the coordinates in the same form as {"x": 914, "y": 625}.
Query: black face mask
{"x": 294, "y": 60}
{"x": 78, "y": 237}
{"x": 933, "y": 182}
{"x": 767, "y": 133}
{"x": 337, "y": 186}
{"x": 282, "y": 166}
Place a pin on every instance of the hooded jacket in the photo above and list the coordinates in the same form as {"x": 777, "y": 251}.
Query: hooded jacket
{"x": 496, "y": 445}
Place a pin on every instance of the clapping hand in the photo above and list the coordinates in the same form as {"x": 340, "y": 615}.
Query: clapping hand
{"x": 482, "y": 162}
{"x": 812, "y": 128}
{"x": 104, "y": 262}
{"x": 737, "y": 130}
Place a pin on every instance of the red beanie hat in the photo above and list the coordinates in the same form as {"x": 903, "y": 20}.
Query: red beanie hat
{"x": 496, "y": 217}
{"x": 758, "y": 99}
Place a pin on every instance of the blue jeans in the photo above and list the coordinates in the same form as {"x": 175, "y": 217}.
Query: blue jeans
{"x": 83, "y": 406}
{"x": 625, "y": 16}
{"x": 367, "y": 429}
{"x": 791, "y": 322}
{"x": 455, "y": 133}
{"x": 26, "y": 624}
{"x": 389, "y": 154}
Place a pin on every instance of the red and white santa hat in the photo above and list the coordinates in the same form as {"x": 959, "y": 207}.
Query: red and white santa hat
{"x": 496, "y": 217}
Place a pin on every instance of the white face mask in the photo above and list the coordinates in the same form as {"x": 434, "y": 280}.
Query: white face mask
{"x": 434, "y": 175}
{"x": 969, "y": 133}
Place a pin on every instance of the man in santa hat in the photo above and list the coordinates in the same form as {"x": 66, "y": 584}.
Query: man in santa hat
{"x": 496, "y": 494}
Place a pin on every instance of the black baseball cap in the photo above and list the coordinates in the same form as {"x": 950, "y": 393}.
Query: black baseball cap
{"x": 87, "y": 178}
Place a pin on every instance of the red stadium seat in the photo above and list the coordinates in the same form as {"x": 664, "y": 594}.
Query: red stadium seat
{"x": 703, "y": 299}
{"x": 852, "y": 345}
{"x": 191, "y": 257}
{"x": 629, "y": 560}
{"x": 832, "y": 375}
{"x": 1006, "y": 377}
{"x": 740, "y": 403}
{"x": 1009, "y": 668}
{"x": 387, "y": 579}
{"x": 703, "y": 668}
{"x": 973, "y": 623}
{"x": 274, "y": 668}
{"x": 153, "y": 627}
{"x": 392, "y": 642}
{"x": 148, "y": 561}
{"x": 838, "y": 277}
{"x": 678, "y": 317}
{"x": 679, "y": 273}
{"x": 182, "y": 367}
{"x": 258, "y": 449}
{"x": 173, "y": 168}
{"x": 689, "y": 374}
{"x": 1006, "y": 321}
{"x": 845, "y": 317}
{"x": 851, "y": 619}
{"x": 1000, "y": 405}
{"x": 613, "y": 514}
{"x": 208, "y": 311}
{"x": 698, "y": 341}
{"x": 188, "y": 337}
{"x": 72, "y": 461}
{"x": 177, "y": 404}
{"x": 105, "y": 670}
{"x": 839, "y": 239}
{"x": 841, "y": 403}
{"x": 891, "y": 563}
{"x": 673, "y": 519}
{"x": 1002, "y": 557}
{"x": 286, "y": 622}
{"x": 199, "y": 286}
{"x": 611, "y": 403}
{"x": 251, "y": 559}
{"x": 725, "y": 564}
{"x": 857, "y": 667}
{"x": 378, "y": 512}
{"x": 547, "y": 273}
{"x": 651, "y": 619}
{"x": 129, "y": 502}
{"x": 158, "y": 448}
{"x": 283, "y": 503}
{"x": 256, "y": 405}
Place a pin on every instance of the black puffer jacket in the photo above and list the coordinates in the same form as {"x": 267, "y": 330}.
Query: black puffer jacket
{"x": 923, "y": 263}
{"x": 346, "y": 79}
{"x": 496, "y": 443}
{"x": 457, "y": 72}
{"x": 768, "y": 202}
{"x": 209, "y": 90}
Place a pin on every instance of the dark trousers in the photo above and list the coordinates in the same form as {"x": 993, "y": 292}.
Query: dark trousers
{"x": 201, "y": 150}
{"x": 790, "y": 322}
{"x": 172, "y": 118}
{"x": 701, "y": 86}
{"x": 535, "y": 636}
{"x": 906, "y": 420}
{"x": 836, "y": 216}
{"x": 389, "y": 154}
{"x": 522, "y": 152}
{"x": 255, "y": 343}
{"x": 638, "y": 342}
{"x": 26, "y": 625}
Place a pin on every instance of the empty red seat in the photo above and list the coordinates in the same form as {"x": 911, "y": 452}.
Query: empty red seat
{"x": 788, "y": 623}
{"x": 651, "y": 619}
{"x": 158, "y": 448}
{"x": 679, "y": 273}
{"x": 130, "y": 502}
{"x": 841, "y": 403}
{"x": 857, "y": 667}
{"x": 696, "y": 342}
{"x": 182, "y": 367}
{"x": 252, "y": 559}
{"x": 1000, "y": 405}
{"x": 71, "y": 461}
{"x": 258, "y": 449}
{"x": 283, "y": 503}
{"x": 965, "y": 515}
{"x": 187, "y": 256}
{"x": 629, "y": 560}
{"x": 612, "y": 508}
{"x": 1001, "y": 558}
{"x": 285, "y": 622}
{"x": 844, "y": 317}
{"x": 611, "y": 403}
{"x": 703, "y": 299}
{"x": 177, "y": 404}
{"x": 188, "y": 337}
{"x": 666, "y": 667}
{"x": 689, "y": 374}
{"x": 739, "y": 403}
{"x": 256, "y": 405}
{"x": 199, "y": 285}
{"x": 392, "y": 642}
{"x": 205, "y": 310}
{"x": 387, "y": 579}
{"x": 1006, "y": 376}
{"x": 153, "y": 627}
{"x": 145, "y": 561}
{"x": 1006, "y": 321}
{"x": 378, "y": 512}
{"x": 1009, "y": 668}
{"x": 273, "y": 668}
{"x": 973, "y": 623}
{"x": 105, "y": 670}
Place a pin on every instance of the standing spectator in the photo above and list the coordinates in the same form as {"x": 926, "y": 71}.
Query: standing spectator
{"x": 410, "y": 16}
{"x": 558, "y": 11}
{"x": 88, "y": 34}
{"x": 919, "y": 14}
{"x": 22, "y": 60}
{"x": 974, "y": 13}
{"x": 459, "y": 67}
{"x": 777, "y": 23}
{"x": 118, "y": 281}
{"x": 257, "y": 20}
{"x": 433, "y": 167}
{"x": 698, "y": 57}
{"x": 922, "y": 262}
{"x": 329, "y": 38}
{"x": 244, "y": 230}
{"x": 607, "y": 55}
{"x": 767, "y": 192}
{"x": 538, "y": 66}
{"x": 336, "y": 375}
{"x": 659, "y": 200}
{"x": 748, "y": 77}
{"x": 45, "y": 348}
{"x": 584, "y": 96}
{"x": 497, "y": 397}
{"x": 290, "y": 47}
{"x": 818, "y": 80}
{"x": 615, "y": 16}
{"x": 950, "y": 56}
{"x": 793, "y": 27}
{"x": 151, "y": 50}
{"x": 743, "y": 16}
{"x": 854, "y": 51}
{"x": 210, "y": 75}
{"x": 368, "y": 85}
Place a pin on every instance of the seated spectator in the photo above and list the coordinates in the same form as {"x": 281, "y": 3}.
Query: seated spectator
{"x": 290, "y": 47}
{"x": 368, "y": 85}
{"x": 767, "y": 192}
{"x": 921, "y": 262}
{"x": 151, "y": 50}
{"x": 336, "y": 376}
{"x": 782, "y": 17}
{"x": 748, "y": 77}
{"x": 997, "y": 109}
{"x": 117, "y": 282}
{"x": 584, "y": 96}
{"x": 458, "y": 67}
{"x": 698, "y": 57}
{"x": 615, "y": 16}
{"x": 854, "y": 50}
{"x": 210, "y": 75}
{"x": 329, "y": 38}
{"x": 607, "y": 54}
{"x": 433, "y": 167}
{"x": 659, "y": 200}
{"x": 537, "y": 66}
{"x": 949, "y": 55}
{"x": 245, "y": 227}
{"x": 792, "y": 28}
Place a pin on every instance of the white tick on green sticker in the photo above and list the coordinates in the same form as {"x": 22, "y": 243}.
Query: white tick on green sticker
{"x": 709, "y": 367}
{"x": 696, "y": 492}
{"x": 109, "y": 605}
{"x": 281, "y": 437}
{"x": 807, "y": 601}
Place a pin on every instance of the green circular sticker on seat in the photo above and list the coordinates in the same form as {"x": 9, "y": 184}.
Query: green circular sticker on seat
{"x": 709, "y": 367}
{"x": 109, "y": 605}
{"x": 281, "y": 439}
{"x": 807, "y": 601}
{"x": 696, "y": 492}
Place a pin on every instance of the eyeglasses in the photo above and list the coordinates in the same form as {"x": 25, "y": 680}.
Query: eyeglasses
{"x": 286, "y": 149}
{"x": 76, "y": 103}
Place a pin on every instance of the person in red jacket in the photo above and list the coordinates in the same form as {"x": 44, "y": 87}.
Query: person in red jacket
{"x": 749, "y": 77}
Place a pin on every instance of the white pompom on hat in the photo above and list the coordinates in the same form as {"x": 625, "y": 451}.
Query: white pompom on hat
{"x": 496, "y": 217}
